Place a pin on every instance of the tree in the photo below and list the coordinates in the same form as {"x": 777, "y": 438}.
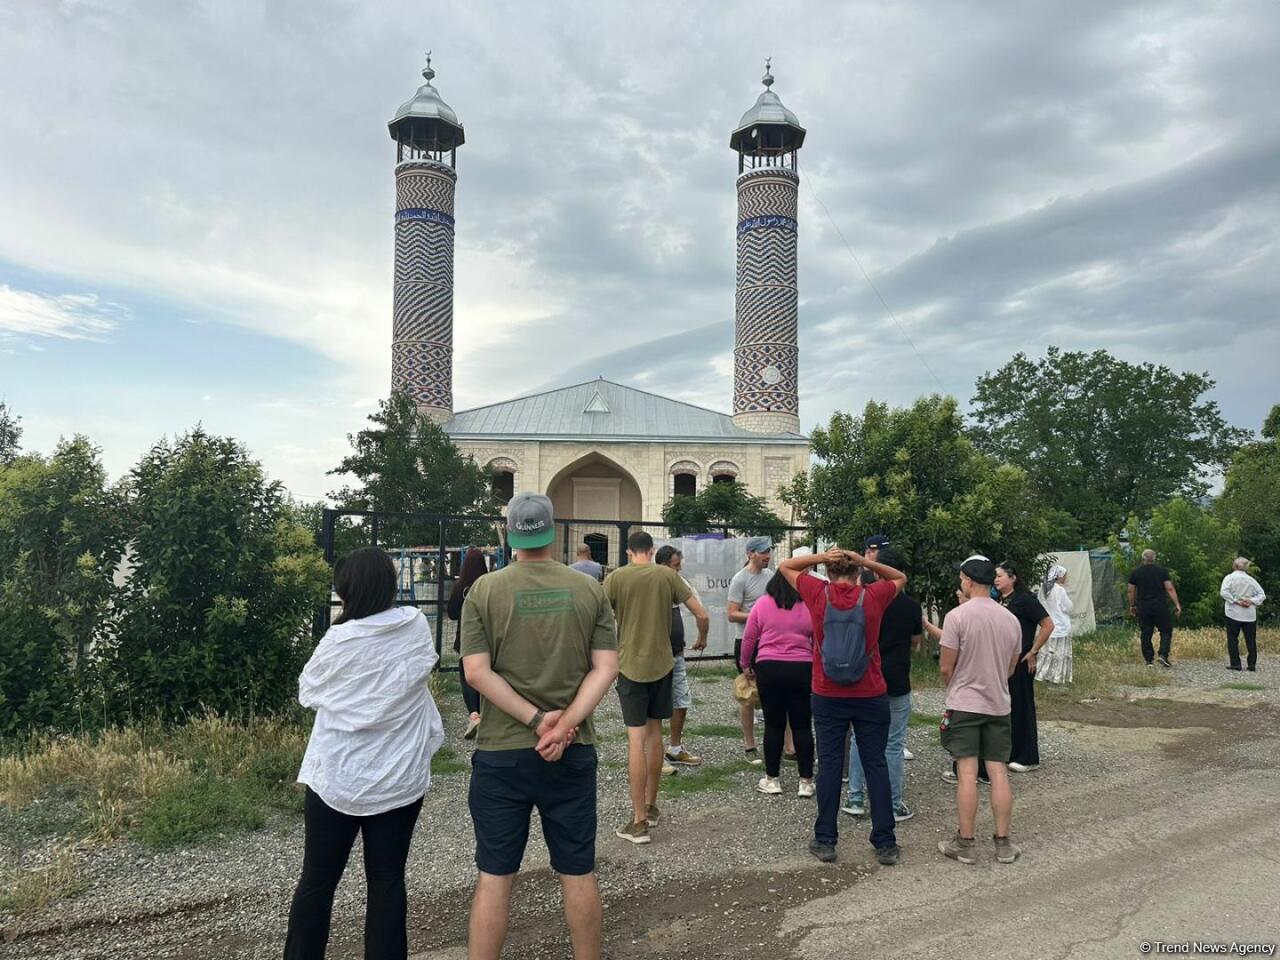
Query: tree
{"x": 1193, "y": 544}
{"x": 721, "y": 505}
{"x": 1102, "y": 438}
{"x": 223, "y": 585}
{"x": 61, "y": 537}
{"x": 1251, "y": 500}
{"x": 10, "y": 435}
{"x": 406, "y": 463}
{"x": 914, "y": 475}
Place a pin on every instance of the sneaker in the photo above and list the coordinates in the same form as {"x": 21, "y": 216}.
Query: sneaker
{"x": 805, "y": 789}
{"x": 684, "y": 758}
{"x": 758, "y": 717}
{"x": 856, "y": 807}
{"x": 1150, "y": 663}
{"x": 985, "y": 781}
{"x": 653, "y": 816}
{"x": 958, "y": 848}
{"x": 823, "y": 851}
{"x": 1229, "y": 667}
{"x": 472, "y": 726}
{"x": 1006, "y": 850}
{"x": 753, "y": 756}
{"x": 888, "y": 856}
{"x": 1164, "y": 662}
{"x": 907, "y": 754}
{"x": 902, "y": 812}
{"x": 949, "y": 776}
{"x": 769, "y": 785}
{"x": 634, "y": 833}
{"x": 668, "y": 770}
{"x": 1022, "y": 767}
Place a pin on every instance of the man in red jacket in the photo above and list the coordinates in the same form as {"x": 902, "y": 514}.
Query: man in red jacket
{"x": 864, "y": 704}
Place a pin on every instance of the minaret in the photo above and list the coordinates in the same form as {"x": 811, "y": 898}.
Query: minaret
{"x": 427, "y": 135}
{"x": 766, "y": 330}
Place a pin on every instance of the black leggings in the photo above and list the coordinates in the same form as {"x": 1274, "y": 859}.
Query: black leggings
{"x": 784, "y": 687}
{"x": 330, "y": 835}
{"x": 1250, "y": 631}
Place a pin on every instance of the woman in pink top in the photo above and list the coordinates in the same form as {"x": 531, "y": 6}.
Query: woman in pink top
{"x": 777, "y": 650}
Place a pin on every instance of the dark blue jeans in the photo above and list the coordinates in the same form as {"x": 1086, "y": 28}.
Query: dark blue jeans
{"x": 870, "y": 719}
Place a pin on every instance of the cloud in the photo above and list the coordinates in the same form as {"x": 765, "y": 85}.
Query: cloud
{"x": 71, "y": 316}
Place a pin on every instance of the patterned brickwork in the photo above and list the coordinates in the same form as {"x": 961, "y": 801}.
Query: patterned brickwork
{"x": 766, "y": 332}
{"x": 422, "y": 313}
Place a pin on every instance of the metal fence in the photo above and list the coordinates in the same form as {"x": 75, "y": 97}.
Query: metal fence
{"x": 428, "y": 551}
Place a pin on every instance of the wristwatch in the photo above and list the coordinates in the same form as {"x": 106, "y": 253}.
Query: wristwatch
{"x": 536, "y": 722}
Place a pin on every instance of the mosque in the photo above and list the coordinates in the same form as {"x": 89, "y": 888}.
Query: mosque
{"x": 602, "y": 450}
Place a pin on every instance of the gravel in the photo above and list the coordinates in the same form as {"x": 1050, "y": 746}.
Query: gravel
{"x": 230, "y": 897}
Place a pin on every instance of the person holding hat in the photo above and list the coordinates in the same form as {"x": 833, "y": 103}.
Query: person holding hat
{"x": 747, "y": 586}
{"x": 981, "y": 646}
{"x": 539, "y": 646}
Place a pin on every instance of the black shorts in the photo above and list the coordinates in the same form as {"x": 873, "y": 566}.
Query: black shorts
{"x": 644, "y": 701}
{"x": 506, "y": 785}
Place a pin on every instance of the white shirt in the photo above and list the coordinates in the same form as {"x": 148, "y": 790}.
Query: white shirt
{"x": 1238, "y": 585}
{"x": 1059, "y": 606}
{"x": 376, "y": 725}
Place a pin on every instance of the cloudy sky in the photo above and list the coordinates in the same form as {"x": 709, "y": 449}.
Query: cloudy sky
{"x": 196, "y": 202}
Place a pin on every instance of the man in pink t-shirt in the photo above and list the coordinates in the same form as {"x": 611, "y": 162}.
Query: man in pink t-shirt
{"x": 981, "y": 645}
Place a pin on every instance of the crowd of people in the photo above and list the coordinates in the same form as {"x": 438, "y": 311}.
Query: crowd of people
{"x": 826, "y": 639}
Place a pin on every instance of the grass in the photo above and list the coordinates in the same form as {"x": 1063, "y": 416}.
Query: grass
{"x": 923, "y": 720}
{"x": 196, "y": 808}
{"x": 26, "y": 891}
{"x": 722, "y": 776}
{"x": 446, "y": 761}
{"x": 710, "y": 672}
{"x": 1119, "y": 643}
{"x": 731, "y": 730}
{"x": 1241, "y": 685}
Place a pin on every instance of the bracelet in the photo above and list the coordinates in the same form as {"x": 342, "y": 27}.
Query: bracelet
{"x": 536, "y": 722}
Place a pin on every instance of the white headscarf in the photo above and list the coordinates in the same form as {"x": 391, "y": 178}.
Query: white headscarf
{"x": 1056, "y": 572}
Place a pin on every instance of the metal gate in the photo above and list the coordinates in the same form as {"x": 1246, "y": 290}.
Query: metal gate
{"x": 428, "y": 551}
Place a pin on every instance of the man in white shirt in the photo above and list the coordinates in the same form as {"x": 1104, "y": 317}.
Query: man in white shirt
{"x": 1242, "y": 595}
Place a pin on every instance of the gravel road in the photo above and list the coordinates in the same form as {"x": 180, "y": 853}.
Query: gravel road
{"x": 1153, "y": 817}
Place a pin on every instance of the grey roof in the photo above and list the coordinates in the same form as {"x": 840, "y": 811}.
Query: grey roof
{"x": 603, "y": 410}
{"x": 768, "y": 111}
{"x": 427, "y": 108}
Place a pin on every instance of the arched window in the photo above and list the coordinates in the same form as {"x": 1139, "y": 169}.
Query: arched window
{"x": 598, "y": 544}
{"x": 684, "y": 484}
{"x": 503, "y": 485}
{"x": 723, "y": 471}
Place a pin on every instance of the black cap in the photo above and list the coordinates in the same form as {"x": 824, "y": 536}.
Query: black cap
{"x": 979, "y": 570}
{"x": 877, "y": 540}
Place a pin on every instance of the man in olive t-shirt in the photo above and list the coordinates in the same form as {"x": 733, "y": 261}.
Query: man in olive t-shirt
{"x": 539, "y": 646}
{"x": 642, "y": 594}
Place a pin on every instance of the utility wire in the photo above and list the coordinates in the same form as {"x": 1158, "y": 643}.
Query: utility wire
{"x": 874, "y": 289}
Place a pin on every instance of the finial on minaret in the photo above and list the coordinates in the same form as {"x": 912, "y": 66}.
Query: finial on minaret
{"x": 767, "y": 79}
{"x": 429, "y": 73}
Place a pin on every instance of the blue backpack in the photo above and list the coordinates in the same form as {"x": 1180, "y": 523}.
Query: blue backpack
{"x": 844, "y": 641}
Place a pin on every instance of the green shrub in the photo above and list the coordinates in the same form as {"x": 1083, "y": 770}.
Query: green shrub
{"x": 197, "y": 807}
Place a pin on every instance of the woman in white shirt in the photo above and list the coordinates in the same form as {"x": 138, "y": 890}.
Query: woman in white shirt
{"x": 1054, "y": 663}
{"x": 368, "y": 763}
{"x": 1242, "y": 594}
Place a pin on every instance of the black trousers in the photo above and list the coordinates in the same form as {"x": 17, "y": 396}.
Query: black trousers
{"x": 784, "y": 687}
{"x": 1022, "y": 716}
{"x": 329, "y": 837}
{"x": 1250, "y": 631}
{"x": 1150, "y": 620}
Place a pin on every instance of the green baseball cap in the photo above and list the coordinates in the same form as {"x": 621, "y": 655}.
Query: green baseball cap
{"x": 530, "y": 521}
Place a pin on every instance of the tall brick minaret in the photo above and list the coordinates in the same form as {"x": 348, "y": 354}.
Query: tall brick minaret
{"x": 766, "y": 345}
{"x": 427, "y": 135}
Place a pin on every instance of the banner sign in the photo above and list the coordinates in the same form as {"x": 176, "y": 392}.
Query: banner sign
{"x": 709, "y": 565}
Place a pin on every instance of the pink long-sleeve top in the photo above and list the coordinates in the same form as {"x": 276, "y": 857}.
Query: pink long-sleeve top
{"x": 776, "y": 634}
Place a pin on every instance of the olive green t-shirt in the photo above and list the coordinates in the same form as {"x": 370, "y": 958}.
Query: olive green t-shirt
{"x": 642, "y": 595}
{"x": 539, "y": 622}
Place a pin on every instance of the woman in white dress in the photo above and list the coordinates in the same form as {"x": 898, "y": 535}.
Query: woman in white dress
{"x": 1054, "y": 664}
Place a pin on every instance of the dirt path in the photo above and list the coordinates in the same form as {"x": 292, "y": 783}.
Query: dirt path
{"x": 1168, "y": 828}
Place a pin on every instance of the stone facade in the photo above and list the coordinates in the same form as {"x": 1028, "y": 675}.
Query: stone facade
{"x": 545, "y": 466}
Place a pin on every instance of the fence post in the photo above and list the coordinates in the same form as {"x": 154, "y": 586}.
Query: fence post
{"x": 624, "y": 531}
{"x": 441, "y": 560}
{"x": 320, "y": 622}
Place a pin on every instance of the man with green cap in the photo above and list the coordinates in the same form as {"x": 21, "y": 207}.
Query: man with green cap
{"x": 539, "y": 645}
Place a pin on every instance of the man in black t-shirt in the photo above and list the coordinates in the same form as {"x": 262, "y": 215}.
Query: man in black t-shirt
{"x": 1149, "y": 586}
